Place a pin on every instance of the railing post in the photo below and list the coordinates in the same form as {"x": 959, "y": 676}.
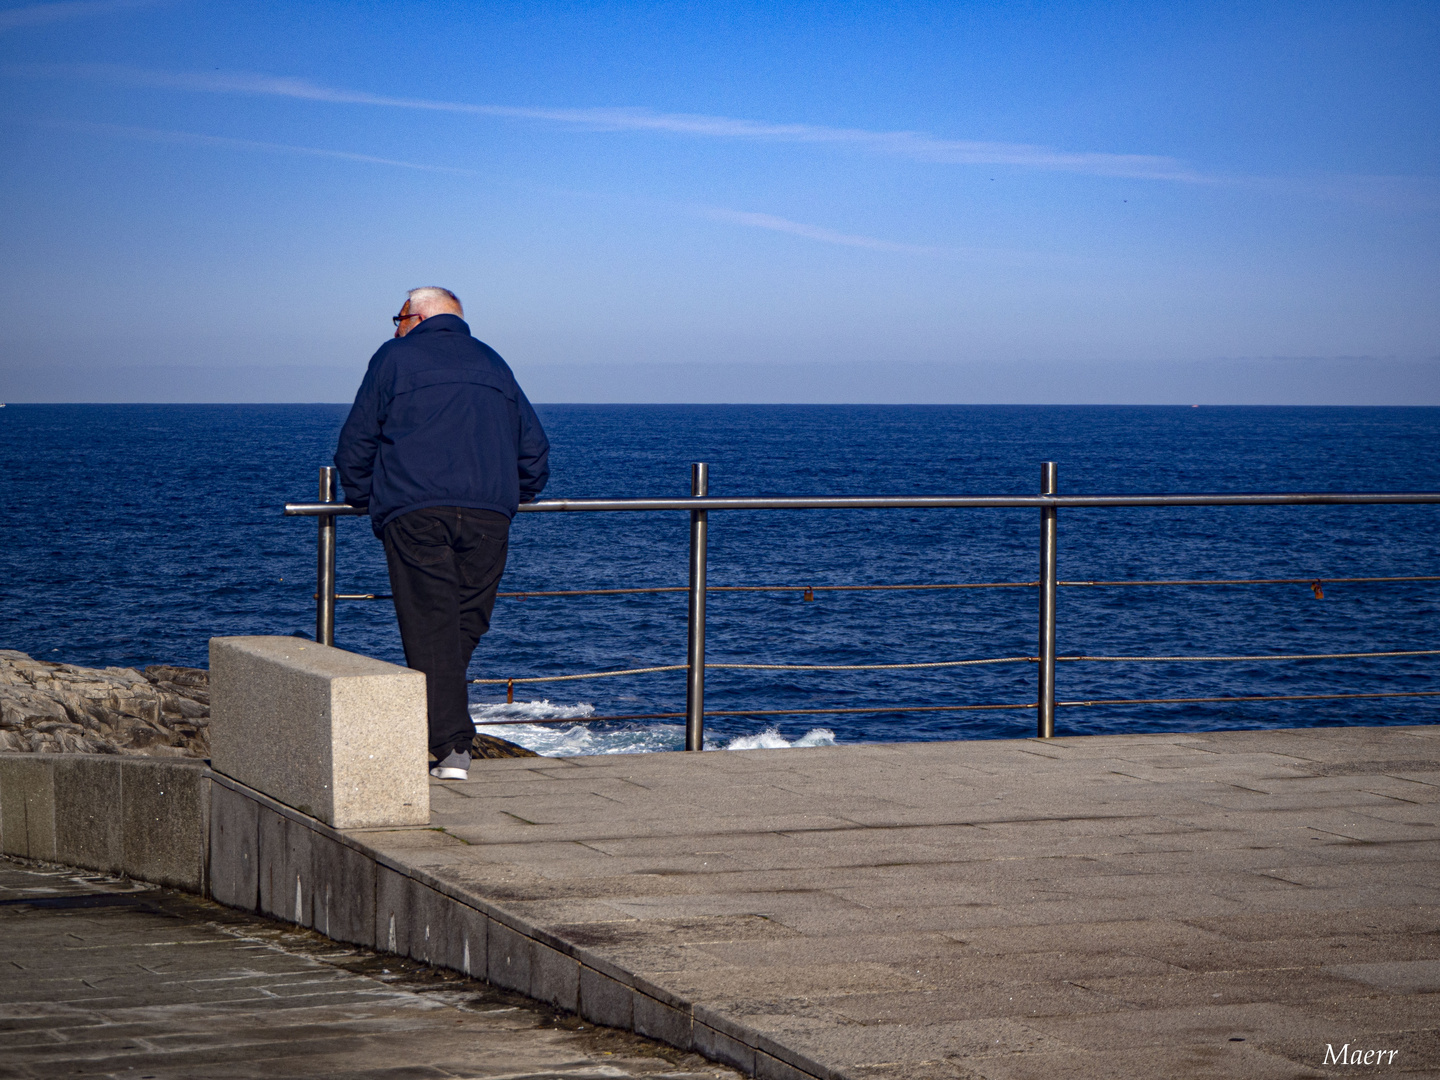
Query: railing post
{"x": 325, "y": 563}
{"x": 1045, "y": 699}
{"x": 695, "y": 653}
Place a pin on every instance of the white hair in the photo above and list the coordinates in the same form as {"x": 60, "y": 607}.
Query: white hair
{"x": 432, "y": 300}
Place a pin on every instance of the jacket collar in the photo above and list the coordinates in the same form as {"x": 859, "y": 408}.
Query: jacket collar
{"x": 441, "y": 322}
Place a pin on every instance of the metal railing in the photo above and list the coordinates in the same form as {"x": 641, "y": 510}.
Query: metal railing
{"x": 1048, "y": 501}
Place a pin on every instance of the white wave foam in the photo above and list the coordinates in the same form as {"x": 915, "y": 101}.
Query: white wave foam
{"x": 771, "y": 739}
{"x": 574, "y": 740}
{"x": 530, "y": 710}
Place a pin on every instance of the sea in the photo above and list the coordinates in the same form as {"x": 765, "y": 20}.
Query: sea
{"x": 134, "y": 533}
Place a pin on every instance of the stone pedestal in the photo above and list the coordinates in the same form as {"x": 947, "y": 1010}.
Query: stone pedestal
{"x": 338, "y": 736}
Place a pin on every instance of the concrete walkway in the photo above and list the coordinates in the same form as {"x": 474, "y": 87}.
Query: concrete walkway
{"x": 1225, "y": 905}
{"x": 111, "y": 978}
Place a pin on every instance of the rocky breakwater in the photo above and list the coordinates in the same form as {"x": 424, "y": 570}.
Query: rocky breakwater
{"x": 46, "y": 707}
{"x": 163, "y": 711}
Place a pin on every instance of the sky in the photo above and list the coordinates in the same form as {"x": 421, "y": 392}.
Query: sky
{"x": 1029, "y": 202}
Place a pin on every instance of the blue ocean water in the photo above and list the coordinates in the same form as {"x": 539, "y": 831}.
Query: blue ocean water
{"x": 134, "y": 533}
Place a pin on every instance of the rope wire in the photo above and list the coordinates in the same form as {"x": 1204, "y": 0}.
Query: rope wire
{"x": 954, "y": 708}
{"x": 774, "y": 588}
{"x": 586, "y": 675}
{"x": 1289, "y": 656}
{"x": 1252, "y": 697}
{"x": 758, "y": 712}
{"x": 876, "y": 667}
{"x": 810, "y": 590}
{"x": 1250, "y": 581}
{"x": 764, "y": 667}
{"x": 953, "y": 663}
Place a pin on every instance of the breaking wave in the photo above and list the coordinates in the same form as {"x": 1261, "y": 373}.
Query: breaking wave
{"x": 505, "y": 721}
{"x": 771, "y": 739}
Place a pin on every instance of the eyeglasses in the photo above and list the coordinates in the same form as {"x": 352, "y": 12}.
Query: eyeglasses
{"x": 398, "y": 319}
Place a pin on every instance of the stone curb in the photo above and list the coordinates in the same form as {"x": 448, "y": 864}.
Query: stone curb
{"x": 182, "y": 824}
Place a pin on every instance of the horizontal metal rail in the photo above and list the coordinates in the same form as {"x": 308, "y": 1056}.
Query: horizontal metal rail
{"x": 929, "y": 502}
{"x": 1048, "y": 501}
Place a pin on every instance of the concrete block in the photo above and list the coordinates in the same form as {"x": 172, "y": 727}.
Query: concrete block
{"x": 659, "y": 1021}
{"x": 509, "y": 958}
{"x": 337, "y": 736}
{"x": 717, "y": 1046}
{"x": 234, "y": 836}
{"x": 555, "y": 978}
{"x": 165, "y": 822}
{"x": 607, "y": 1001}
{"x": 27, "y": 806}
{"x": 88, "y": 819}
{"x": 342, "y": 884}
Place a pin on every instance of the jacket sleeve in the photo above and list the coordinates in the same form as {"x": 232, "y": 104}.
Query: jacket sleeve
{"x": 360, "y": 439}
{"x": 533, "y": 451}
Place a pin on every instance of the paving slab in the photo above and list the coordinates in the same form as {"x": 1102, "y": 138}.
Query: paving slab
{"x": 1216, "y": 904}
{"x": 113, "y": 978}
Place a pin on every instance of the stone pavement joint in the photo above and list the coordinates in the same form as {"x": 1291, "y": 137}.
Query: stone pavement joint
{"x": 1230, "y": 904}
{"x": 1201, "y": 905}
{"x": 114, "y": 978}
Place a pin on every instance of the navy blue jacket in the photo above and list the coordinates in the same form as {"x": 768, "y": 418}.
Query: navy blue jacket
{"x": 440, "y": 421}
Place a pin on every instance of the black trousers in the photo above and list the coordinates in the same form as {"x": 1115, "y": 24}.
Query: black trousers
{"x": 445, "y": 564}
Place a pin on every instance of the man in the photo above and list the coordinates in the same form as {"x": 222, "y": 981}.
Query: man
{"x": 442, "y": 446}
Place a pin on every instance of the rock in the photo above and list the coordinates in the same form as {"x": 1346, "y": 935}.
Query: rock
{"x": 47, "y": 707}
{"x": 163, "y": 711}
{"x": 488, "y": 746}
{"x": 184, "y": 676}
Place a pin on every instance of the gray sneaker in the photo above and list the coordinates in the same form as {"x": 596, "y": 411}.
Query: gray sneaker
{"x": 456, "y": 766}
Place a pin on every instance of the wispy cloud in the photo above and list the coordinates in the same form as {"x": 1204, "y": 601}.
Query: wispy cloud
{"x": 813, "y": 232}
{"x": 186, "y": 138}
{"x": 915, "y": 146}
{"x": 715, "y": 213}
{"x": 39, "y": 14}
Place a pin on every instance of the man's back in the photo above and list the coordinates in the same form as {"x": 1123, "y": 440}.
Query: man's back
{"x": 440, "y": 421}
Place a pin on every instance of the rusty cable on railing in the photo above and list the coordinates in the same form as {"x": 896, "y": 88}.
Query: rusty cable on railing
{"x": 1236, "y": 659}
{"x": 1252, "y": 581}
{"x": 1252, "y": 697}
{"x": 509, "y": 682}
{"x": 754, "y": 712}
{"x": 880, "y": 709}
{"x": 810, "y": 590}
{"x": 765, "y": 667}
{"x": 945, "y": 664}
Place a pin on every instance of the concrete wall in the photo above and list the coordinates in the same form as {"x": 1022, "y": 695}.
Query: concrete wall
{"x": 144, "y": 818}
